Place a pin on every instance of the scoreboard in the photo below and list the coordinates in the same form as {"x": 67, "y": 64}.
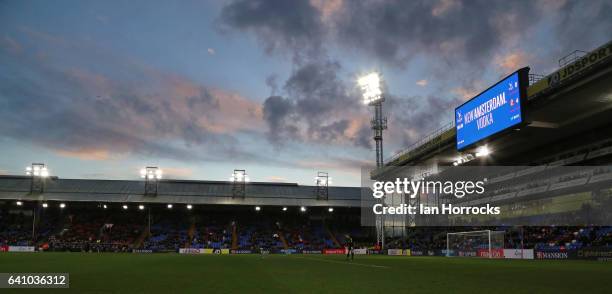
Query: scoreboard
{"x": 492, "y": 111}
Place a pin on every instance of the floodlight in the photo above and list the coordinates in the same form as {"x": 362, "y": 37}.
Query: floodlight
{"x": 189, "y": 206}
{"x": 104, "y": 206}
{"x": 125, "y": 207}
{"x": 370, "y": 85}
{"x": 37, "y": 170}
{"x": 331, "y": 209}
{"x": 141, "y": 207}
{"x": 19, "y": 203}
{"x": 151, "y": 173}
{"x": 303, "y": 209}
{"x": 169, "y": 206}
{"x": 323, "y": 180}
{"x": 284, "y": 208}
{"x": 257, "y": 208}
{"x": 62, "y": 205}
{"x": 45, "y": 205}
{"x": 239, "y": 176}
{"x": 483, "y": 151}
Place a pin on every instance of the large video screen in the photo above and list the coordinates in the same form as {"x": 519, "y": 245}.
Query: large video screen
{"x": 492, "y": 111}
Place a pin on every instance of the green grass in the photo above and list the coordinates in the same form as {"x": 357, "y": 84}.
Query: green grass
{"x": 173, "y": 273}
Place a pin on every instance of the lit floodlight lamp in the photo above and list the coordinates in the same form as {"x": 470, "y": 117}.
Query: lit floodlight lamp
{"x": 483, "y": 151}
{"x": 104, "y": 206}
{"x": 141, "y": 207}
{"x": 284, "y": 208}
{"x": 189, "y": 206}
{"x": 37, "y": 170}
{"x": 240, "y": 176}
{"x": 370, "y": 86}
{"x": 44, "y": 172}
{"x": 169, "y": 206}
{"x": 331, "y": 209}
{"x": 257, "y": 208}
{"x": 302, "y": 208}
{"x": 45, "y": 205}
{"x": 19, "y": 203}
{"x": 125, "y": 207}
{"x": 62, "y": 205}
{"x": 151, "y": 173}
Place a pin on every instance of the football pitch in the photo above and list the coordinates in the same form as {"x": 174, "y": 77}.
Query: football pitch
{"x": 174, "y": 273}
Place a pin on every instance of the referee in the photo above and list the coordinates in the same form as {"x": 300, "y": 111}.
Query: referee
{"x": 349, "y": 248}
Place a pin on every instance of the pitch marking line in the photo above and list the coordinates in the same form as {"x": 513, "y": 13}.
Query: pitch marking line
{"x": 341, "y": 262}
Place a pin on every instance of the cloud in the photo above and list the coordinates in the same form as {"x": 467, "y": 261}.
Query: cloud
{"x": 177, "y": 172}
{"x": 287, "y": 26}
{"x": 102, "y": 18}
{"x": 277, "y": 179}
{"x": 450, "y": 32}
{"x": 86, "y": 154}
{"x": 10, "y": 44}
{"x": 580, "y": 25}
{"x": 327, "y": 8}
{"x": 442, "y": 7}
{"x": 117, "y": 106}
{"x": 317, "y": 107}
{"x": 211, "y": 51}
{"x": 337, "y": 163}
{"x": 422, "y": 83}
{"x": 511, "y": 62}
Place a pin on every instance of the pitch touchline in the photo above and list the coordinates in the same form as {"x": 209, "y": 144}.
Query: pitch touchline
{"x": 341, "y": 262}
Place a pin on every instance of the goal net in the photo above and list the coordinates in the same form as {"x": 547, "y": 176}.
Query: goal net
{"x": 486, "y": 243}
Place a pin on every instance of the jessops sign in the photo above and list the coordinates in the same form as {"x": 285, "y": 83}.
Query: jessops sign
{"x": 491, "y": 111}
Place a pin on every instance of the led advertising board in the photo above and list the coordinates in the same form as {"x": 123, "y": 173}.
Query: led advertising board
{"x": 492, "y": 111}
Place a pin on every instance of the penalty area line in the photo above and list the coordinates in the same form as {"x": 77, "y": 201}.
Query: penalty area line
{"x": 341, "y": 262}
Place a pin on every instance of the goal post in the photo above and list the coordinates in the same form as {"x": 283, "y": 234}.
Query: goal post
{"x": 484, "y": 243}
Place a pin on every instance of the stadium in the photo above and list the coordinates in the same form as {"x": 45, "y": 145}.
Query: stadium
{"x": 527, "y": 209}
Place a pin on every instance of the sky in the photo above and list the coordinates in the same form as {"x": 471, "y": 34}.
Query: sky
{"x": 100, "y": 89}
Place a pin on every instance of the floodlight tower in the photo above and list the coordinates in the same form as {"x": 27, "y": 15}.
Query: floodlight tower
{"x": 151, "y": 175}
{"x": 239, "y": 179}
{"x": 373, "y": 96}
{"x": 323, "y": 181}
{"x": 38, "y": 173}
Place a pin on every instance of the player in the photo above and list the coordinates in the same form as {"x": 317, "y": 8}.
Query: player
{"x": 349, "y": 248}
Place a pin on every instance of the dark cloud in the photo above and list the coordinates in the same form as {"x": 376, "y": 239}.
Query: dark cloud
{"x": 278, "y": 24}
{"x": 278, "y": 113}
{"x": 272, "y": 83}
{"x": 455, "y": 32}
{"x": 318, "y": 107}
{"x": 582, "y": 24}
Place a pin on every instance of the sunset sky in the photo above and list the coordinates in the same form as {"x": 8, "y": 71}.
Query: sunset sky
{"x": 99, "y": 89}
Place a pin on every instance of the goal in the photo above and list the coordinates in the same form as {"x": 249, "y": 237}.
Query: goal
{"x": 485, "y": 243}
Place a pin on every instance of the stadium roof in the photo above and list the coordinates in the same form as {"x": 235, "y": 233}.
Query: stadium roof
{"x": 175, "y": 191}
{"x": 574, "y": 99}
